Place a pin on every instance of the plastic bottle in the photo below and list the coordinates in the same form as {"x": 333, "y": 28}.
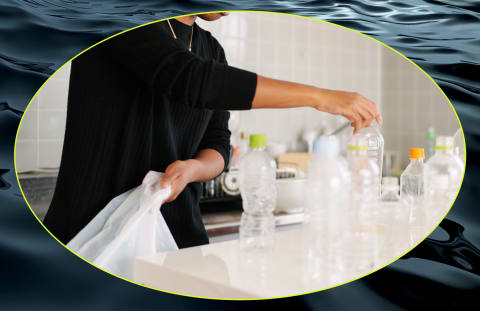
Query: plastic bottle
{"x": 412, "y": 192}
{"x": 375, "y": 144}
{"x": 326, "y": 204}
{"x": 437, "y": 200}
{"x": 257, "y": 174}
{"x": 430, "y": 143}
{"x": 412, "y": 186}
{"x": 365, "y": 196}
{"x": 444, "y": 172}
{"x": 393, "y": 221}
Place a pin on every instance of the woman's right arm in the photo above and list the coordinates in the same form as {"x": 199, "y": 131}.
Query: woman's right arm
{"x": 152, "y": 56}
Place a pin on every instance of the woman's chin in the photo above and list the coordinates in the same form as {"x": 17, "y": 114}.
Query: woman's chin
{"x": 212, "y": 16}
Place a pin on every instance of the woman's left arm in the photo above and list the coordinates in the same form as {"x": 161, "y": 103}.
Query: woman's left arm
{"x": 208, "y": 164}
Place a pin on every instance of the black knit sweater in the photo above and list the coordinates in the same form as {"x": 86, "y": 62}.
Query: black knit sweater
{"x": 138, "y": 102}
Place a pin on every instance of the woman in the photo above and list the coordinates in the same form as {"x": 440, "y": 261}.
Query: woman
{"x": 157, "y": 98}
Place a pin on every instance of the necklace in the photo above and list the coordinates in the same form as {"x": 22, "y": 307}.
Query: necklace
{"x": 175, "y": 36}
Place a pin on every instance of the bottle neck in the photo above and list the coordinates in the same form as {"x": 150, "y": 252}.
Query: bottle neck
{"x": 444, "y": 151}
{"x": 257, "y": 148}
{"x": 416, "y": 161}
{"x": 357, "y": 153}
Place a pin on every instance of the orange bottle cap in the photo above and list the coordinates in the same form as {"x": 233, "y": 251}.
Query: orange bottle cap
{"x": 417, "y": 153}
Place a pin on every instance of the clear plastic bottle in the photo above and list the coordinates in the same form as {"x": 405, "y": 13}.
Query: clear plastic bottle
{"x": 412, "y": 192}
{"x": 375, "y": 144}
{"x": 326, "y": 204}
{"x": 437, "y": 200}
{"x": 430, "y": 143}
{"x": 444, "y": 170}
{"x": 365, "y": 196}
{"x": 257, "y": 174}
{"x": 412, "y": 186}
{"x": 393, "y": 221}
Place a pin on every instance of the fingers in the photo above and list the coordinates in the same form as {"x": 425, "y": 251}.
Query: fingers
{"x": 360, "y": 111}
{"x": 366, "y": 115}
{"x": 175, "y": 176}
{"x": 367, "y": 111}
{"x": 373, "y": 110}
{"x": 177, "y": 187}
{"x": 379, "y": 119}
{"x": 360, "y": 118}
{"x": 356, "y": 120}
{"x": 174, "y": 194}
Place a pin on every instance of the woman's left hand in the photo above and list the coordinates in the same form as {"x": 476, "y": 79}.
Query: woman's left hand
{"x": 178, "y": 175}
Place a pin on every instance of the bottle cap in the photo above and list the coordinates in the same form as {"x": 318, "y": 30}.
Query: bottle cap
{"x": 328, "y": 146}
{"x": 417, "y": 153}
{"x": 258, "y": 140}
{"x": 431, "y": 133}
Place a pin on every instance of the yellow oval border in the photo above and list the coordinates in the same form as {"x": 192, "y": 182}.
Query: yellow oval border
{"x": 212, "y": 298}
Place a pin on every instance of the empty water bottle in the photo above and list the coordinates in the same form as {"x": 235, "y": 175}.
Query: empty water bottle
{"x": 437, "y": 200}
{"x": 326, "y": 205}
{"x": 412, "y": 188}
{"x": 257, "y": 174}
{"x": 365, "y": 195}
{"x": 412, "y": 192}
{"x": 444, "y": 171}
{"x": 393, "y": 221}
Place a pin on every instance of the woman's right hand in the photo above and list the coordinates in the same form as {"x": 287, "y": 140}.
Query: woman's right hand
{"x": 354, "y": 107}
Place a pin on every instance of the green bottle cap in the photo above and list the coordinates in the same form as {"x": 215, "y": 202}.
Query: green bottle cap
{"x": 258, "y": 141}
{"x": 431, "y": 134}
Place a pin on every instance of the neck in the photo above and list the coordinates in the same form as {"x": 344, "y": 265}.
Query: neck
{"x": 187, "y": 20}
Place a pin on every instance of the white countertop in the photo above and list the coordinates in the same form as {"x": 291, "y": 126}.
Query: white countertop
{"x": 234, "y": 221}
{"x": 223, "y": 270}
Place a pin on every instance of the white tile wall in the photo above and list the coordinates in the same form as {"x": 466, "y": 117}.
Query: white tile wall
{"x": 42, "y": 130}
{"x": 283, "y": 47}
{"x": 414, "y": 104}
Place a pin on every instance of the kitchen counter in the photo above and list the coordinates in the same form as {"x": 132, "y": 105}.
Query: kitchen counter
{"x": 228, "y": 222}
{"x": 223, "y": 270}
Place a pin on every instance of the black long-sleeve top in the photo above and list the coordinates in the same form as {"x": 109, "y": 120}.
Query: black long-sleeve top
{"x": 138, "y": 102}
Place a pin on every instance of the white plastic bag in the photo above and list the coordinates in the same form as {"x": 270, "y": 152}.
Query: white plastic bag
{"x": 130, "y": 225}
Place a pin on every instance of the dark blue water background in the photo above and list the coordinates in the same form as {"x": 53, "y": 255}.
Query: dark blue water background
{"x": 38, "y": 36}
